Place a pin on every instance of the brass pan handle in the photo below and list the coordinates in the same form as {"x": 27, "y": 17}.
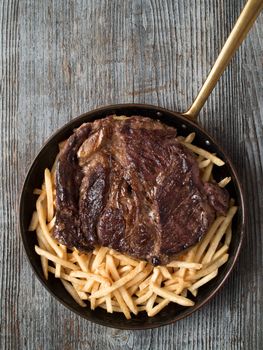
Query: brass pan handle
{"x": 244, "y": 23}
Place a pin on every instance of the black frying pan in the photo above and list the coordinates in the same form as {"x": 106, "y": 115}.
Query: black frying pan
{"x": 183, "y": 123}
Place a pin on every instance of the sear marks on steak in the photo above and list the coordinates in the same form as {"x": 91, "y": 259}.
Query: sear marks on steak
{"x": 130, "y": 185}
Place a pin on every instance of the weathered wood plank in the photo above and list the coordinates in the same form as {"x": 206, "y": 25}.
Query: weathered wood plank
{"x": 59, "y": 59}
{"x": 10, "y": 241}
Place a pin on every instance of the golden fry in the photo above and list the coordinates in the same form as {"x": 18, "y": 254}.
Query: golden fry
{"x": 99, "y": 258}
{"x": 44, "y": 260}
{"x": 156, "y": 309}
{"x": 125, "y": 260}
{"x": 122, "y": 304}
{"x": 171, "y": 296}
{"x": 51, "y": 224}
{"x": 41, "y": 237}
{"x": 228, "y": 235}
{"x": 207, "y": 173}
{"x": 140, "y": 277}
{"x": 122, "y": 281}
{"x": 204, "y": 280}
{"x": 164, "y": 271}
{"x": 66, "y": 277}
{"x": 200, "y": 151}
{"x": 220, "y": 252}
{"x": 55, "y": 259}
{"x": 82, "y": 263}
{"x": 210, "y": 268}
{"x": 120, "y": 117}
{"x": 224, "y": 182}
{"x": 190, "y": 138}
{"x": 185, "y": 264}
{"x": 94, "y": 289}
{"x": 43, "y": 225}
{"x": 219, "y": 234}
{"x": 88, "y": 275}
{"x": 144, "y": 297}
{"x": 206, "y": 240}
{"x": 123, "y": 291}
{"x": 204, "y": 163}
{"x": 49, "y": 191}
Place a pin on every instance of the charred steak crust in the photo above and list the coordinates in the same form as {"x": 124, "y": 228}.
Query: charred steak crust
{"x": 130, "y": 185}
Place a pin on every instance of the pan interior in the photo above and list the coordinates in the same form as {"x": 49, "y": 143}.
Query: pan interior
{"x": 46, "y": 157}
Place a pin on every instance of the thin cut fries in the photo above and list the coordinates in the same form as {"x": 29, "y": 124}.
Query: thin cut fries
{"x": 120, "y": 117}
{"x": 171, "y": 296}
{"x": 44, "y": 260}
{"x": 207, "y": 172}
{"x": 60, "y": 269}
{"x": 224, "y": 182}
{"x": 140, "y": 277}
{"x": 87, "y": 275}
{"x": 99, "y": 258}
{"x": 41, "y": 238}
{"x": 119, "y": 283}
{"x": 219, "y": 235}
{"x": 204, "y": 163}
{"x": 81, "y": 261}
{"x": 208, "y": 237}
{"x": 228, "y": 235}
{"x": 220, "y": 252}
{"x": 55, "y": 259}
{"x": 190, "y": 138}
{"x": 209, "y": 269}
{"x": 49, "y": 190}
{"x": 51, "y": 224}
{"x": 155, "y": 310}
{"x": 204, "y": 280}
{"x": 144, "y": 297}
{"x": 124, "y": 293}
{"x": 200, "y": 151}
{"x": 66, "y": 277}
{"x": 125, "y": 260}
{"x": 44, "y": 228}
{"x": 185, "y": 264}
{"x": 164, "y": 271}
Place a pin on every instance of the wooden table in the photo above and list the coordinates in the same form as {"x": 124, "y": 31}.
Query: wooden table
{"x": 62, "y": 58}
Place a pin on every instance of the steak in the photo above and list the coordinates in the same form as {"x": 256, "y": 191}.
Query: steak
{"x": 129, "y": 184}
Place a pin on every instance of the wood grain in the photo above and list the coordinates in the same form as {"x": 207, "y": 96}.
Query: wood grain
{"x": 59, "y": 59}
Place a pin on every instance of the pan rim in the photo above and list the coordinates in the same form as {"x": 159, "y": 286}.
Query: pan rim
{"x": 157, "y": 109}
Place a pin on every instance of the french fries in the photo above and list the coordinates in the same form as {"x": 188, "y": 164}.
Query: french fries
{"x": 120, "y": 117}
{"x": 207, "y": 173}
{"x": 190, "y": 138}
{"x": 185, "y": 264}
{"x": 49, "y": 190}
{"x": 166, "y": 294}
{"x": 224, "y": 182}
{"x": 119, "y": 283}
{"x": 200, "y": 151}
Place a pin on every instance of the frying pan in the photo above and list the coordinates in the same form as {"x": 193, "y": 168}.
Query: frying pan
{"x": 184, "y": 123}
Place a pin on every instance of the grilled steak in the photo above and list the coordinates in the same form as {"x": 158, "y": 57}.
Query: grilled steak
{"x": 130, "y": 185}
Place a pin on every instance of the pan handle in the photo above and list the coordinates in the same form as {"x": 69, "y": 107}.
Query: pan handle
{"x": 244, "y": 23}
